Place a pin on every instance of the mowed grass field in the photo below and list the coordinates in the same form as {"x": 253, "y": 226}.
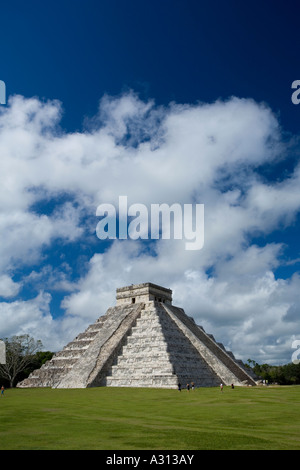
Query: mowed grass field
{"x": 251, "y": 418}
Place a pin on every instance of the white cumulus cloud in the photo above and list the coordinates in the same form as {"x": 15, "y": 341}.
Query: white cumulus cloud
{"x": 52, "y": 182}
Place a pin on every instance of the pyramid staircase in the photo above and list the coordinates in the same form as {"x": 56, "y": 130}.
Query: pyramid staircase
{"x": 157, "y": 354}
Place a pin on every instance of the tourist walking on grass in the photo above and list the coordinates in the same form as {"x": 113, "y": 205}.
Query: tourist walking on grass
{"x": 2, "y": 391}
{"x": 221, "y": 387}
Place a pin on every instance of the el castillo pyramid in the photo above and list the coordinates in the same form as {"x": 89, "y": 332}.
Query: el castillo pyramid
{"x": 144, "y": 341}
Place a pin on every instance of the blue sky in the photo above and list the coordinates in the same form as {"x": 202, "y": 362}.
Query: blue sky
{"x": 170, "y": 101}
{"x": 190, "y": 51}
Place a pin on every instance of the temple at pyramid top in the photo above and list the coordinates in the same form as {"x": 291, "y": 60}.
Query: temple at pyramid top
{"x": 146, "y": 292}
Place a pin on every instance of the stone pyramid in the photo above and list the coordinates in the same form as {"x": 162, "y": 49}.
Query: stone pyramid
{"x": 144, "y": 341}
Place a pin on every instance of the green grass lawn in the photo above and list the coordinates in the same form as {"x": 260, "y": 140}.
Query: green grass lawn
{"x": 154, "y": 419}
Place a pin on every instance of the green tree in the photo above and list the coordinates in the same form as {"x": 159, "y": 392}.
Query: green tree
{"x": 288, "y": 374}
{"x": 20, "y": 353}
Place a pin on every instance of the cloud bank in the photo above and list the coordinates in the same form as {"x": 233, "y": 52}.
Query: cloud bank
{"x": 56, "y": 276}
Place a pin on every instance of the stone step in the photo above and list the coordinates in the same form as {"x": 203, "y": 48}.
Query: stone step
{"x": 57, "y": 366}
{"x": 79, "y": 344}
{"x": 141, "y": 370}
{"x": 72, "y": 353}
{"x": 146, "y": 329}
{"x": 146, "y": 339}
{"x": 159, "y": 381}
{"x": 138, "y": 356}
{"x": 147, "y": 349}
{"x": 62, "y": 362}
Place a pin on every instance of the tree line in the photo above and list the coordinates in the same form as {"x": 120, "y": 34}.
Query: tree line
{"x": 287, "y": 374}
